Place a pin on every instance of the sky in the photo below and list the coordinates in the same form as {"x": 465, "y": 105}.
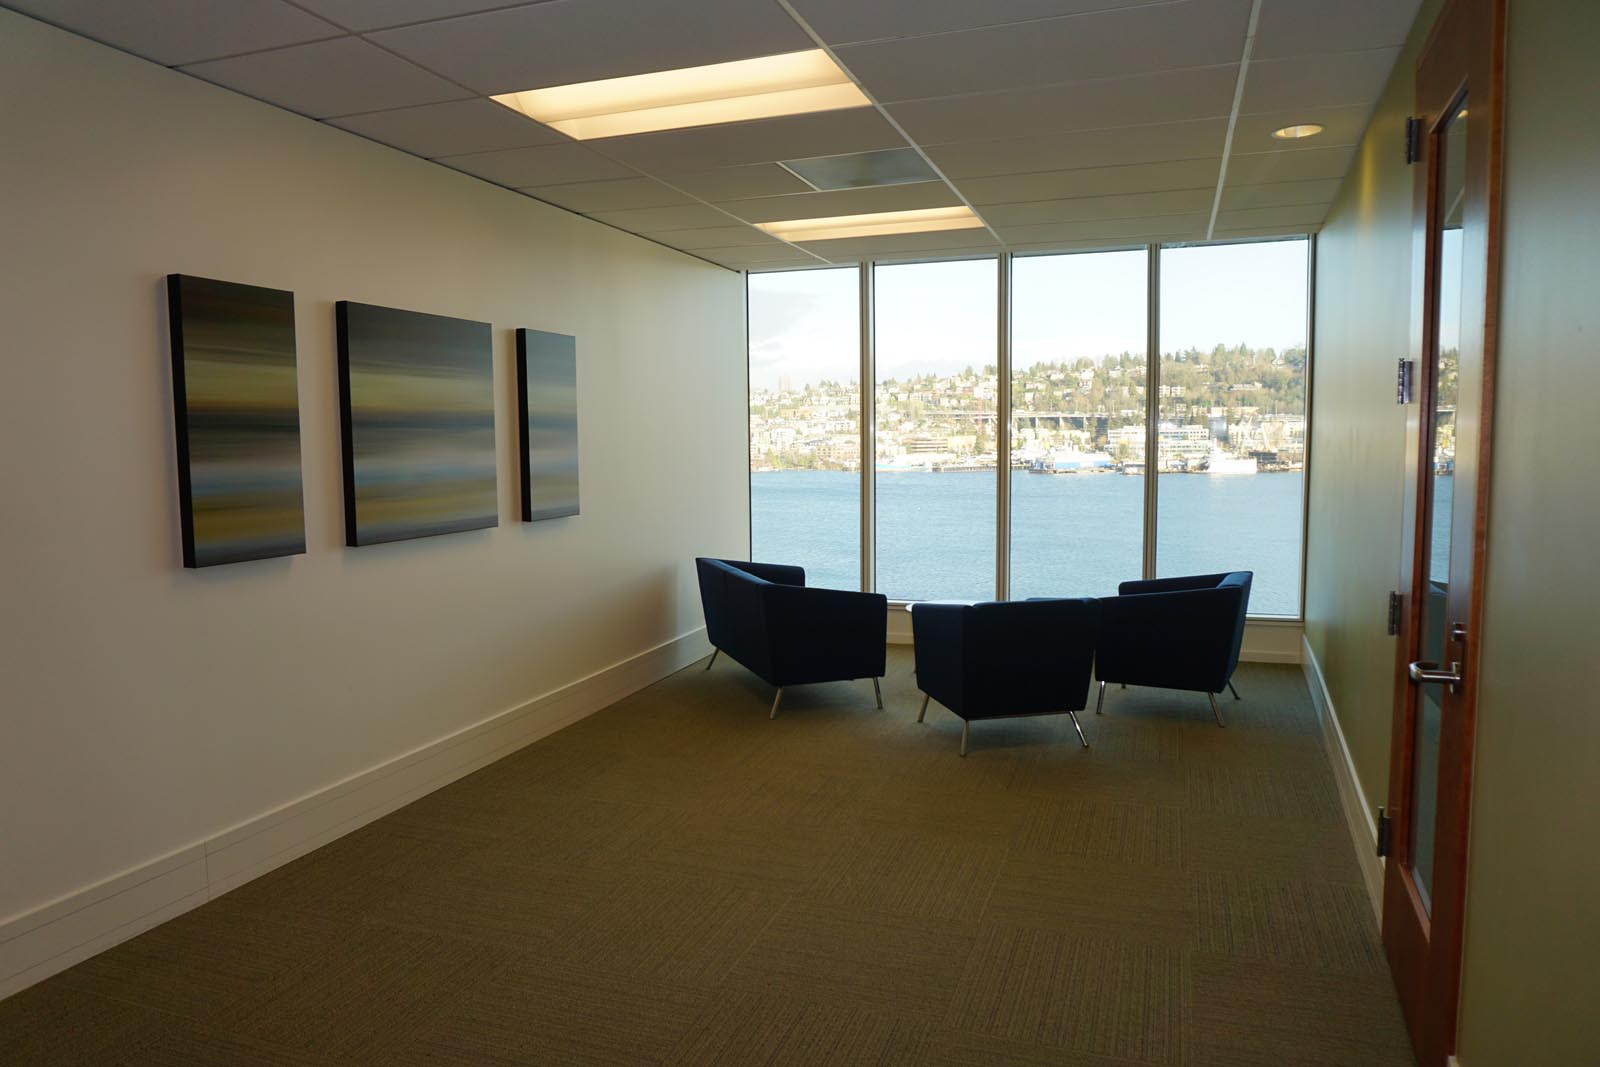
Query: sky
{"x": 940, "y": 317}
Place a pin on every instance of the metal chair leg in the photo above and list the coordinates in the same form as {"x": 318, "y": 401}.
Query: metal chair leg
{"x": 924, "y": 710}
{"x": 713, "y": 658}
{"x": 777, "y": 698}
{"x": 1100, "y": 701}
{"x": 1214, "y": 709}
{"x": 1079, "y": 728}
{"x": 1234, "y": 691}
{"x": 965, "y": 726}
{"x": 878, "y": 693}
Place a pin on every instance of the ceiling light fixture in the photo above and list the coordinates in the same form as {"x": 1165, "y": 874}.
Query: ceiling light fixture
{"x": 1294, "y": 133}
{"x": 878, "y": 224}
{"x": 790, "y": 84}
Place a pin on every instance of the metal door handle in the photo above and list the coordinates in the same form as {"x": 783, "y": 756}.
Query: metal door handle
{"x": 1421, "y": 673}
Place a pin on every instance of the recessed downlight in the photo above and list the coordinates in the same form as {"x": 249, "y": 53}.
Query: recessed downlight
{"x": 791, "y": 84}
{"x": 877, "y": 224}
{"x": 1295, "y": 133}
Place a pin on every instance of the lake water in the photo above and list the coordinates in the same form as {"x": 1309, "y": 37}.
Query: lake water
{"x": 1071, "y": 535}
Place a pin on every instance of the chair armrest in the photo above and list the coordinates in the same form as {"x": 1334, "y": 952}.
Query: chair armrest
{"x": 777, "y": 573}
{"x": 820, "y": 635}
{"x": 1171, "y": 585}
{"x": 939, "y": 649}
{"x": 1178, "y": 640}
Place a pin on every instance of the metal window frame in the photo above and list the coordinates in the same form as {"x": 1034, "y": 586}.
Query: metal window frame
{"x": 1005, "y": 267}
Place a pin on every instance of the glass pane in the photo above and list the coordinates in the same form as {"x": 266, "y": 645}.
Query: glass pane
{"x": 1078, "y": 356}
{"x": 936, "y": 398}
{"x": 1441, "y": 497}
{"x": 1233, "y": 415}
{"x": 805, "y": 423}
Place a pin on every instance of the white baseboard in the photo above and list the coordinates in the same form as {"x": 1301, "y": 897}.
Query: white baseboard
{"x": 1264, "y": 642}
{"x": 1357, "y": 815}
{"x": 40, "y": 942}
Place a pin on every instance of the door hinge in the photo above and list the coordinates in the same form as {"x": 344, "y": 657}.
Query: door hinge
{"x": 1383, "y": 832}
{"x": 1405, "y": 377}
{"x": 1394, "y": 613}
{"x": 1413, "y": 139}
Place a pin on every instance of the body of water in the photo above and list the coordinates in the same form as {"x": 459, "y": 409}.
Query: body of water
{"x": 1071, "y": 535}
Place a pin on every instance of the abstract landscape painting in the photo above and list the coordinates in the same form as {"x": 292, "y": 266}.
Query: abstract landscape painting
{"x": 416, "y": 399}
{"x": 238, "y": 421}
{"x": 547, "y": 409}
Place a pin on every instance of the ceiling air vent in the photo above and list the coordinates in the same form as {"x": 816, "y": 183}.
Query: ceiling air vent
{"x": 860, "y": 170}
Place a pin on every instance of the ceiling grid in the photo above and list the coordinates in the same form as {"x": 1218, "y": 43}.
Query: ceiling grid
{"x": 1061, "y": 124}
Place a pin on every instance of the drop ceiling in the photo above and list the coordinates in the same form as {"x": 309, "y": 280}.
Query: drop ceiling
{"x": 1062, "y": 123}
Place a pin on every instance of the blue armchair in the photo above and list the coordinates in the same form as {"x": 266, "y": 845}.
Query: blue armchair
{"x": 997, "y": 660}
{"x": 764, "y": 617}
{"x": 1174, "y": 633}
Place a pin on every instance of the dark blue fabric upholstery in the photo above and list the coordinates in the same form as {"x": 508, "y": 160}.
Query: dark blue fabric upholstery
{"x": 764, "y": 616}
{"x": 1174, "y": 633}
{"x": 994, "y": 660}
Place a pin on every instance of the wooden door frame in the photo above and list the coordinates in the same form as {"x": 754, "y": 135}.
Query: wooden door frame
{"x": 1425, "y": 950}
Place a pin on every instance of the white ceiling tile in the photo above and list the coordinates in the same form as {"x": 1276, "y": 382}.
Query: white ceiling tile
{"x": 1165, "y": 96}
{"x": 362, "y": 15}
{"x": 721, "y": 237}
{"x": 1264, "y": 231}
{"x": 738, "y": 183}
{"x": 1089, "y": 148}
{"x": 1304, "y": 216}
{"x": 1341, "y": 126}
{"x": 1289, "y": 165}
{"x": 826, "y": 133}
{"x": 1092, "y": 181}
{"x": 653, "y": 219}
{"x": 776, "y": 257}
{"x": 523, "y": 168}
{"x": 968, "y": 241}
{"x": 1105, "y": 230}
{"x": 1096, "y": 244}
{"x": 1305, "y": 27}
{"x": 1089, "y": 208}
{"x": 173, "y": 32}
{"x": 844, "y": 202}
{"x": 1332, "y": 80}
{"x": 339, "y": 77}
{"x": 1280, "y": 194}
{"x": 451, "y": 129}
{"x": 565, "y": 41}
{"x": 619, "y": 194}
{"x": 913, "y": 255}
{"x": 847, "y": 21}
{"x": 1186, "y": 33}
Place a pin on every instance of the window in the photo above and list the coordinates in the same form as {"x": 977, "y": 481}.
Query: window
{"x": 936, "y": 398}
{"x": 1078, "y": 366}
{"x": 805, "y": 423}
{"x": 1232, "y": 415}
{"x": 1224, "y": 399}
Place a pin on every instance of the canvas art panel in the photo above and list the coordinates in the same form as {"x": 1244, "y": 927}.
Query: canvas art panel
{"x": 547, "y": 402}
{"x": 416, "y": 398}
{"x": 237, "y": 404}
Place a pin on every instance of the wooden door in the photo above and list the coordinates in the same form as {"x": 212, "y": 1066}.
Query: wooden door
{"x": 1457, "y": 136}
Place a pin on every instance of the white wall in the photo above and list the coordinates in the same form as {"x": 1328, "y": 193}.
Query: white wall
{"x": 147, "y": 707}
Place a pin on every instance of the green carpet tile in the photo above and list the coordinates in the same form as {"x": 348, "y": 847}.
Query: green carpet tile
{"x": 679, "y": 880}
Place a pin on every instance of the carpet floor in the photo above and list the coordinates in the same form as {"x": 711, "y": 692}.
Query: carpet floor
{"x": 678, "y": 880}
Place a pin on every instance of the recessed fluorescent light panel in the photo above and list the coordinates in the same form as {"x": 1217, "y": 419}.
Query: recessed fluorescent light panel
{"x": 878, "y": 224}
{"x": 861, "y": 170}
{"x": 1294, "y": 133}
{"x": 764, "y": 88}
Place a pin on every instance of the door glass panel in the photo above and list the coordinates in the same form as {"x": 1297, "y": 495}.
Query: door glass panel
{"x": 1441, "y": 421}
